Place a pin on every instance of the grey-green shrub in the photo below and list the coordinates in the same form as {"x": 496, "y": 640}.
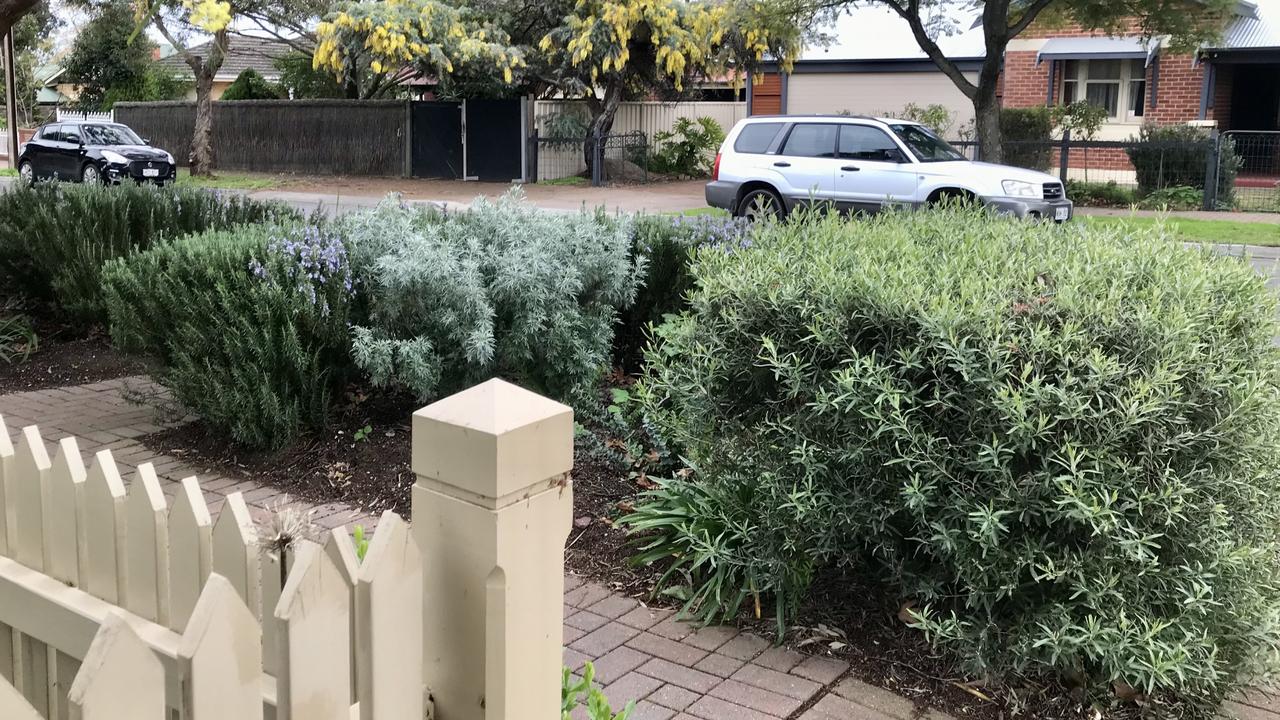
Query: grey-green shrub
{"x": 250, "y": 326}
{"x": 1060, "y": 444}
{"x": 502, "y": 289}
{"x": 55, "y": 237}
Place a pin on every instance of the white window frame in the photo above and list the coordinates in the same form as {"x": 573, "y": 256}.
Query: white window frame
{"x": 1132, "y": 73}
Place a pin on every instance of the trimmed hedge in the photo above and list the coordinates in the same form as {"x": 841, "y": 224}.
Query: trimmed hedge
{"x": 55, "y": 237}
{"x": 1060, "y": 446}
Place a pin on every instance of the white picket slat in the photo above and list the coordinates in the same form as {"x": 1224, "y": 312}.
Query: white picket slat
{"x": 104, "y": 521}
{"x": 272, "y": 562}
{"x": 34, "y": 658}
{"x": 221, "y": 654}
{"x": 389, "y": 611}
{"x": 313, "y": 682}
{"x": 147, "y": 548}
{"x": 64, "y": 526}
{"x": 235, "y": 551}
{"x": 8, "y": 501}
{"x": 190, "y": 551}
{"x": 31, "y": 466}
{"x": 341, "y": 549}
{"x": 13, "y": 706}
{"x": 120, "y": 679}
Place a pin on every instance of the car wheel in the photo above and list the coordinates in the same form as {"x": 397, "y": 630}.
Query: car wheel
{"x": 26, "y": 172}
{"x": 761, "y": 204}
{"x": 90, "y": 175}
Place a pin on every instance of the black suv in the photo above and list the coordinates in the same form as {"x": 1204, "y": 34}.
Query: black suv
{"x": 93, "y": 152}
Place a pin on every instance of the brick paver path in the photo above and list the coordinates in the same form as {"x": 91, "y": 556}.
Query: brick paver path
{"x": 673, "y": 670}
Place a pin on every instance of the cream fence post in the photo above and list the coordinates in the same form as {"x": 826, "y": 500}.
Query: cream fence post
{"x": 492, "y": 508}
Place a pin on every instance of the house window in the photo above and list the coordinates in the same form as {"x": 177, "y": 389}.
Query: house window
{"x": 1120, "y": 86}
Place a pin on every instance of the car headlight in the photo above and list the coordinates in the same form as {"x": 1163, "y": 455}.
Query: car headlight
{"x": 169, "y": 157}
{"x": 1017, "y": 188}
{"x": 114, "y": 157}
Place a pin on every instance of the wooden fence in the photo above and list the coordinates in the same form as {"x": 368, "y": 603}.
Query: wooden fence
{"x": 116, "y": 604}
{"x": 336, "y": 137}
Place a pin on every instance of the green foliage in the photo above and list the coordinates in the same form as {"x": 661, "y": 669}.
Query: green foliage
{"x": 300, "y": 80}
{"x": 1100, "y": 194}
{"x": 250, "y": 326}
{"x": 249, "y": 85}
{"x": 361, "y": 542}
{"x": 688, "y": 149}
{"x": 1176, "y": 155}
{"x": 54, "y": 237}
{"x": 501, "y": 290}
{"x": 17, "y": 339}
{"x": 156, "y": 83}
{"x": 936, "y": 117}
{"x": 1180, "y": 197}
{"x": 103, "y": 61}
{"x": 662, "y": 246}
{"x": 1061, "y": 444}
{"x": 573, "y": 689}
{"x": 1027, "y": 134}
{"x": 567, "y": 129}
{"x": 1082, "y": 118}
{"x": 363, "y": 433}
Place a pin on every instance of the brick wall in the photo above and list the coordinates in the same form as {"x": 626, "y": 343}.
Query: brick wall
{"x": 1178, "y": 91}
{"x": 766, "y": 95}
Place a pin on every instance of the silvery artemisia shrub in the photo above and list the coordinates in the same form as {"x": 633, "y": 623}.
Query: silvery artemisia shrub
{"x": 1057, "y": 447}
{"x": 502, "y": 289}
{"x": 250, "y": 326}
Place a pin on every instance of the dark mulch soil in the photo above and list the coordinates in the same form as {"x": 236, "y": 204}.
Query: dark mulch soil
{"x": 63, "y": 357}
{"x": 845, "y": 617}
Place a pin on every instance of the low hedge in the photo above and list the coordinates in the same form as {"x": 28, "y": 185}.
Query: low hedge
{"x": 55, "y": 237}
{"x": 250, "y": 326}
{"x": 1058, "y": 447}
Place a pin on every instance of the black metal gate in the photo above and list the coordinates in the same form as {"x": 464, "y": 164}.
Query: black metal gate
{"x": 495, "y": 143}
{"x": 436, "y": 140}
{"x": 468, "y": 140}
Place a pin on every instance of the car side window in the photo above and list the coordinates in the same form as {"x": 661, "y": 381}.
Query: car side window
{"x": 863, "y": 142}
{"x": 70, "y": 134}
{"x": 811, "y": 140}
{"x": 756, "y": 138}
{"x": 52, "y": 133}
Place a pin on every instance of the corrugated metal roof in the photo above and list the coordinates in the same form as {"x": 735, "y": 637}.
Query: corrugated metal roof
{"x": 244, "y": 52}
{"x": 878, "y": 33}
{"x": 1258, "y": 26}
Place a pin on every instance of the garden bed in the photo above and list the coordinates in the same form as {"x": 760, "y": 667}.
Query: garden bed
{"x": 59, "y": 362}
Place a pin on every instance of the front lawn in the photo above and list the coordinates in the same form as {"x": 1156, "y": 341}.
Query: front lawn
{"x": 1233, "y": 232}
{"x": 229, "y": 181}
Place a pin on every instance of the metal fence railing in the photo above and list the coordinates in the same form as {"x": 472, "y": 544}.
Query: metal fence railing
{"x": 1254, "y": 156}
{"x": 614, "y": 159}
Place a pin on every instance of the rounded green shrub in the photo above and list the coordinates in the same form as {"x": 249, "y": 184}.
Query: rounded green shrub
{"x": 1058, "y": 444}
{"x": 249, "y": 326}
{"x": 55, "y": 237}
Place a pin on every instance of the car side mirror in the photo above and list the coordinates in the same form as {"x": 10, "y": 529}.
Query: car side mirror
{"x": 146, "y": 141}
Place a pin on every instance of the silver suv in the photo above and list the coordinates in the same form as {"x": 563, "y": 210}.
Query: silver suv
{"x": 769, "y": 164}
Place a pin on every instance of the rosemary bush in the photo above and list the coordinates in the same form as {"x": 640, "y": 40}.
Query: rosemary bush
{"x": 55, "y": 237}
{"x": 250, "y": 326}
{"x": 1057, "y": 444}
{"x": 502, "y": 289}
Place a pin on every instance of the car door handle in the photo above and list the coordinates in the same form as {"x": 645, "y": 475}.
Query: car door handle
{"x": 850, "y": 168}
{"x": 782, "y": 164}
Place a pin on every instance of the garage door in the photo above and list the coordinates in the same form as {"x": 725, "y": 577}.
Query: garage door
{"x": 876, "y": 93}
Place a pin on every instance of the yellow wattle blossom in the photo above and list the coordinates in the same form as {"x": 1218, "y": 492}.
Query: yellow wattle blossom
{"x": 209, "y": 15}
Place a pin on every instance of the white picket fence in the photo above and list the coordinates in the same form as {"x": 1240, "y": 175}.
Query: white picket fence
{"x": 65, "y": 114}
{"x": 648, "y": 117}
{"x": 117, "y": 605}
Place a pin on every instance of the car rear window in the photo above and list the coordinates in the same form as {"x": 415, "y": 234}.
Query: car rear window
{"x": 756, "y": 138}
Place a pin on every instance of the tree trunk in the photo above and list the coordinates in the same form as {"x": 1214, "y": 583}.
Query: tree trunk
{"x": 201, "y": 159}
{"x": 603, "y": 113}
{"x": 986, "y": 109}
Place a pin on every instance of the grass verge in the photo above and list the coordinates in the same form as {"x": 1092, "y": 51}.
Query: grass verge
{"x": 1232, "y": 232}
{"x": 228, "y": 181}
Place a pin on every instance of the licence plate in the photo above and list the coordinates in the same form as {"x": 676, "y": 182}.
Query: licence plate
{"x": 1062, "y": 213}
{"x": 150, "y": 172}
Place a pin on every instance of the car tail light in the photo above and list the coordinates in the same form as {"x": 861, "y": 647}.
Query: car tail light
{"x": 715, "y": 169}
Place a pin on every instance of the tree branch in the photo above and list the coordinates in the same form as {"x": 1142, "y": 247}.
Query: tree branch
{"x": 1033, "y": 10}
{"x": 911, "y": 13}
{"x": 191, "y": 58}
